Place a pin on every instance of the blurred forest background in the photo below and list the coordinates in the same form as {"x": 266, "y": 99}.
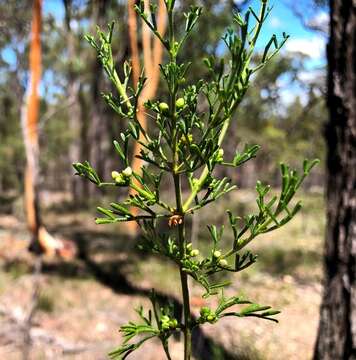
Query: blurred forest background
{"x": 75, "y": 122}
{"x": 83, "y": 301}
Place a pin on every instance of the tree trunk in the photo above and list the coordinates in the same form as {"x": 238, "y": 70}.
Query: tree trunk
{"x": 29, "y": 122}
{"x": 74, "y": 109}
{"x": 42, "y": 241}
{"x": 337, "y": 329}
{"x": 152, "y": 57}
{"x": 97, "y": 127}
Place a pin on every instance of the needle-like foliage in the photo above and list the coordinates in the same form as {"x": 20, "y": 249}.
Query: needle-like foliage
{"x": 186, "y": 145}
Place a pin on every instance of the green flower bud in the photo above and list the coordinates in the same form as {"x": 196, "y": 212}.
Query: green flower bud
{"x": 165, "y": 322}
{"x": 220, "y": 156}
{"x": 173, "y": 323}
{"x": 120, "y": 180}
{"x": 127, "y": 172}
{"x": 204, "y": 311}
{"x": 164, "y": 108}
{"x": 194, "y": 253}
{"x": 217, "y": 254}
{"x": 115, "y": 174}
{"x": 223, "y": 262}
{"x": 211, "y": 318}
{"x": 189, "y": 246}
{"x": 180, "y": 103}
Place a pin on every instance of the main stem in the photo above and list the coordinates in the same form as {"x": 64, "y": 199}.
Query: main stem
{"x": 178, "y": 192}
{"x": 183, "y": 275}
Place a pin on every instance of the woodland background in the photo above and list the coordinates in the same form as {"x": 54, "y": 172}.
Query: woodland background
{"x": 75, "y": 123}
{"x": 73, "y": 308}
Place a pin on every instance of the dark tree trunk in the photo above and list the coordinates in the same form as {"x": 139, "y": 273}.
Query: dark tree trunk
{"x": 84, "y": 142}
{"x": 74, "y": 109}
{"x": 337, "y": 329}
{"x": 97, "y": 127}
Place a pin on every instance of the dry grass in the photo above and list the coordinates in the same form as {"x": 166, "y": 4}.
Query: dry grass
{"x": 79, "y": 316}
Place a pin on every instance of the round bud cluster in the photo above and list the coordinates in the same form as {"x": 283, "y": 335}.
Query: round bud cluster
{"x": 123, "y": 178}
{"x": 208, "y": 315}
{"x": 223, "y": 263}
{"x": 217, "y": 255}
{"x": 164, "y": 108}
{"x": 192, "y": 252}
{"x": 115, "y": 174}
{"x": 180, "y": 103}
{"x": 220, "y": 156}
{"x": 127, "y": 172}
{"x": 167, "y": 323}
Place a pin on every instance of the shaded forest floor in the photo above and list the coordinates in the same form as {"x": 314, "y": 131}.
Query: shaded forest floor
{"x": 82, "y": 303}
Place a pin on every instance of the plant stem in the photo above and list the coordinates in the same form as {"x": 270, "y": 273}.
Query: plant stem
{"x": 121, "y": 89}
{"x": 183, "y": 275}
{"x": 178, "y": 194}
{"x": 166, "y": 350}
{"x": 141, "y": 191}
{"x": 205, "y": 172}
{"x": 186, "y": 309}
{"x": 226, "y": 124}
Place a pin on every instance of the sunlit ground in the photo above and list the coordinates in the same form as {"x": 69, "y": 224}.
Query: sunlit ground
{"x": 82, "y": 303}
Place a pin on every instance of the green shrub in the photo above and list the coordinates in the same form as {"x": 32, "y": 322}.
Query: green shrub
{"x": 187, "y": 146}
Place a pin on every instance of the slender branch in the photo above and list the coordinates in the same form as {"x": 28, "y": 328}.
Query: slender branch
{"x": 205, "y": 172}
{"x": 183, "y": 275}
{"x": 226, "y": 123}
{"x": 121, "y": 89}
{"x": 166, "y": 350}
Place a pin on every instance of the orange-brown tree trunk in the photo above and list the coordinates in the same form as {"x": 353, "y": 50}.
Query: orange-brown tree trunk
{"x": 30, "y": 117}
{"x": 152, "y": 57}
{"x": 42, "y": 241}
